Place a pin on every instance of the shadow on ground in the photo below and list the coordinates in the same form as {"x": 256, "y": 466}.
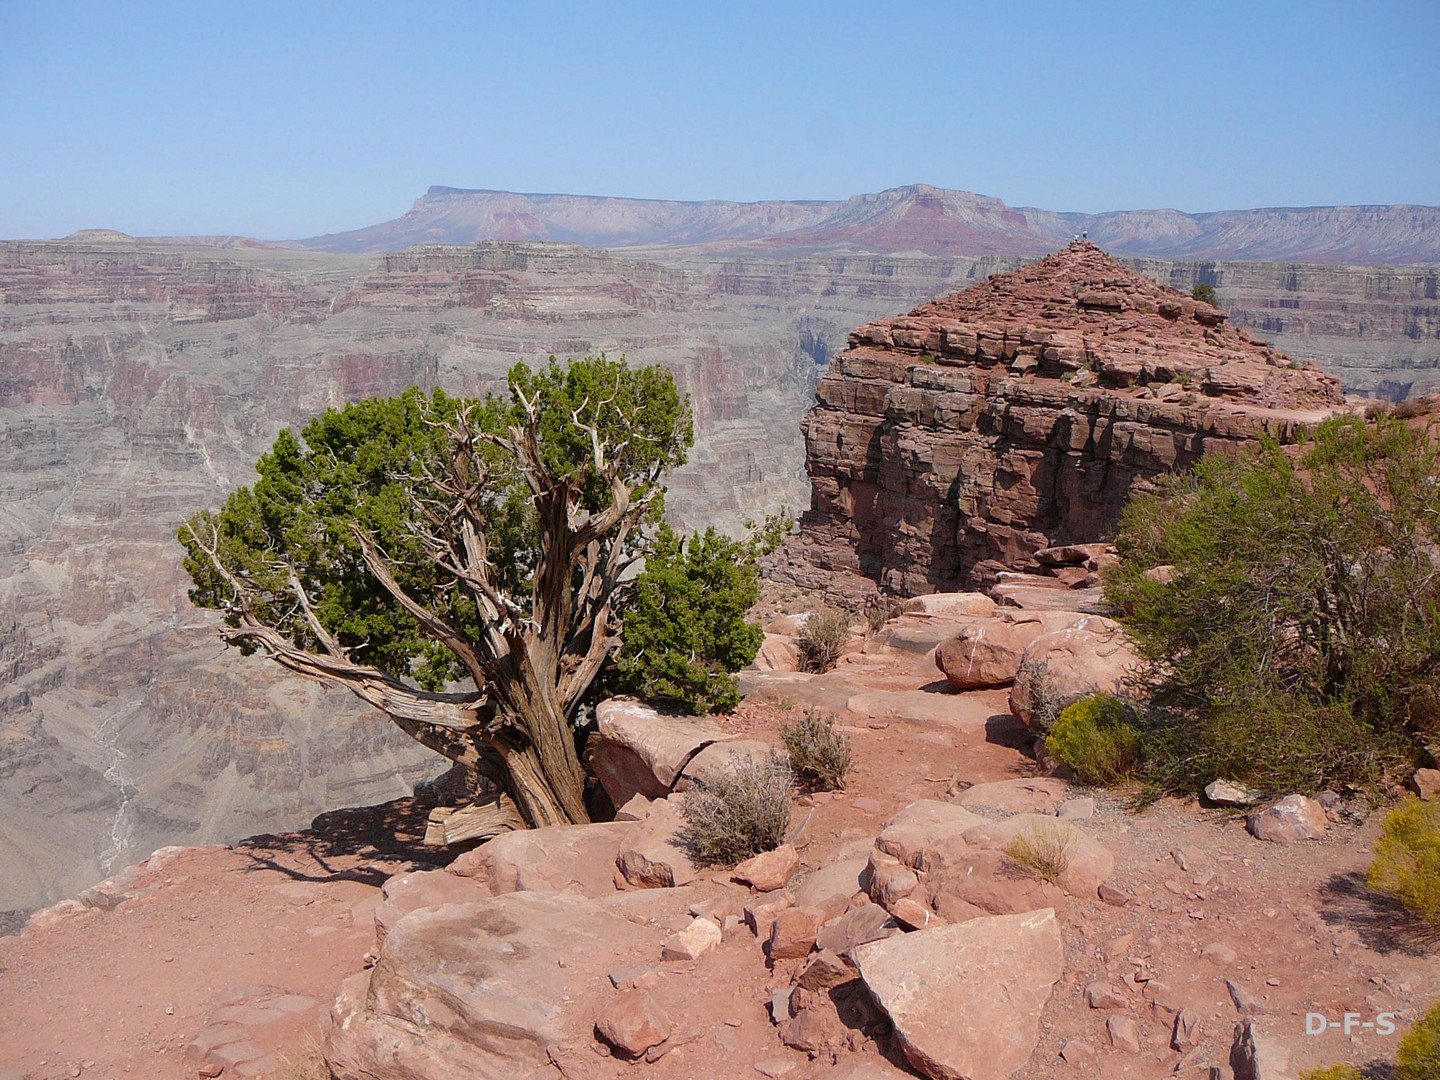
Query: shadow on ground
{"x": 328, "y": 850}
{"x": 1382, "y": 922}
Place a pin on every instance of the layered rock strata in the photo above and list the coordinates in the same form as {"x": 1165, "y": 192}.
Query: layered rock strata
{"x": 953, "y": 443}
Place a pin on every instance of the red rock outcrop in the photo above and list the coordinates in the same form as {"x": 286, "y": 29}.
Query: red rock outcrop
{"x": 954, "y": 442}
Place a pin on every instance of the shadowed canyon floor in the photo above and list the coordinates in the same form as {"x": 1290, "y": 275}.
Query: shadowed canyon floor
{"x": 232, "y": 957}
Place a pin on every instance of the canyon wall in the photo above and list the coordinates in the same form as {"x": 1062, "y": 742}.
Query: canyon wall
{"x": 913, "y": 218}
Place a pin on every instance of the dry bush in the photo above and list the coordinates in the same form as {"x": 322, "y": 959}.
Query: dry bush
{"x": 307, "y": 1063}
{"x": 1042, "y": 851}
{"x": 822, "y": 638}
{"x": 741, "y": 813}
{"x": 1413, "y": 407}
{"x": 818, "y": 750}
{"x": 1333, "y": 1072}
{"x": 880, "y": 609}
{"x": 1407, "y": 859}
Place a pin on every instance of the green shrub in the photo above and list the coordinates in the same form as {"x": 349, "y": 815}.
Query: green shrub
{"x": 818, "y": 750}
{"x": 1296, "y": 645}
{"x": 1043, "y": 851}
{"x": 1205, "y": 294}
{"x": 1333, "y": 1072}
{"x": 1098, "y": 739}
{"x": 686, "y": 634}
{"x": 822, "y": 638}
{"x": 741, "y": 813}
{"x": 1407, "y": 860}
{"x": 1419, "y": 1055}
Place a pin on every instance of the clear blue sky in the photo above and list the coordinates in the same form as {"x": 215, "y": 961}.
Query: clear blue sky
{"x": 290, "y": 119}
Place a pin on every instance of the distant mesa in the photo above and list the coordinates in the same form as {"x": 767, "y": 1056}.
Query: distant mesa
{"x": 917, "y": 219}
{"x": 101, "y": 236}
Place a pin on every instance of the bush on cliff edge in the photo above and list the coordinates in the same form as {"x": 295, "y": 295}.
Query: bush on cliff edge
{"x": 1295, "y": 642}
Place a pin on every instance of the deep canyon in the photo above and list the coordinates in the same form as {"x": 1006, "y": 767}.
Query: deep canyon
{"x": 139, "y": 380}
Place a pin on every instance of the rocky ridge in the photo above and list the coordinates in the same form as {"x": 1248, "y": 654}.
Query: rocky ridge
{"x": 913, "y": 218}
{"x": 953, "y": 443}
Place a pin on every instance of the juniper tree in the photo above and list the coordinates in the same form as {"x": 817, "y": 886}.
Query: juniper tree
{"x": 462, "y": 565}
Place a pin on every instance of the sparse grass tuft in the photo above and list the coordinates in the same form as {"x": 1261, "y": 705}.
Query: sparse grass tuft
{"x": 1407, "y": 861}
{"x": 880, "y": 609}
{"x": 307, "y": 1063}
{"x": 1043, "y": 851}
{"x": 822, "y": 638}
{"x": 740, "y": 814}
{"x": 818, "y": 750}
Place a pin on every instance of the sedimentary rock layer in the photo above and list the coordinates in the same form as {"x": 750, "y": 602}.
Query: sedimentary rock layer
{"x": 954, "y": 442}
{"x": 140, "y": 380}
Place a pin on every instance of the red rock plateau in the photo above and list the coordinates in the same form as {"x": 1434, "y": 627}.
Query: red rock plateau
{"x": 952, "y": 443}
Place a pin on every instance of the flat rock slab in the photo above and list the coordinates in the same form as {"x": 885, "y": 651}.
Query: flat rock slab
{"x": 1051, "y": 598}
{"x": 717, "y": 759}
{"x": 924, "y": 824}
{"x": 976, "y": 604}
{"x": 966, "y": 999}
{"x": 1039, "y": 794}
{"x": 404, "y": 893}
{"x": 640, "y": 751}
{"x": 565, "y": 858}
{"x": 967, "y": 712}
{"x": 474, "y": 990}
{"x": 653, "y": 856}
{"x": 1087, "y": 862}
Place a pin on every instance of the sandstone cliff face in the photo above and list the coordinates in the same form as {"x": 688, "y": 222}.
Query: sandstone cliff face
{"x": 954, "y": 442}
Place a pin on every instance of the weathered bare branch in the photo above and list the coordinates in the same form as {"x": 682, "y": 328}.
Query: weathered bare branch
{"x": 432, "y": 623}
{"x": 460, "y": 712}
{"x": 322, "y": 635}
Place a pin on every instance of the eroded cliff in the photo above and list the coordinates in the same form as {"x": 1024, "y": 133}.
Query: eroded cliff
{"x": 952, "y": 443}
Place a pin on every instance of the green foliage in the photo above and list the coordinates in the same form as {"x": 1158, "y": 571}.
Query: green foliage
{"x": 818, "y": 750}
{"x": 741, "y": 813}
{"x": 1297, "y": 643}
{"x": 822, "y": 638}
{"x": 1419, "y": 1055}
{"x": 1333, "y": 1072}
{"x": 685, "y": 629}
{"x": 358, "y": 468}
{"x": 1205, "y": 294}
{"x": 1407, "y": 860}
{"x": 1098, "y": 739}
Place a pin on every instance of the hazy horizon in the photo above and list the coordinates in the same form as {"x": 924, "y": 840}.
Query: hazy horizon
{"x": 278, "y": 123}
